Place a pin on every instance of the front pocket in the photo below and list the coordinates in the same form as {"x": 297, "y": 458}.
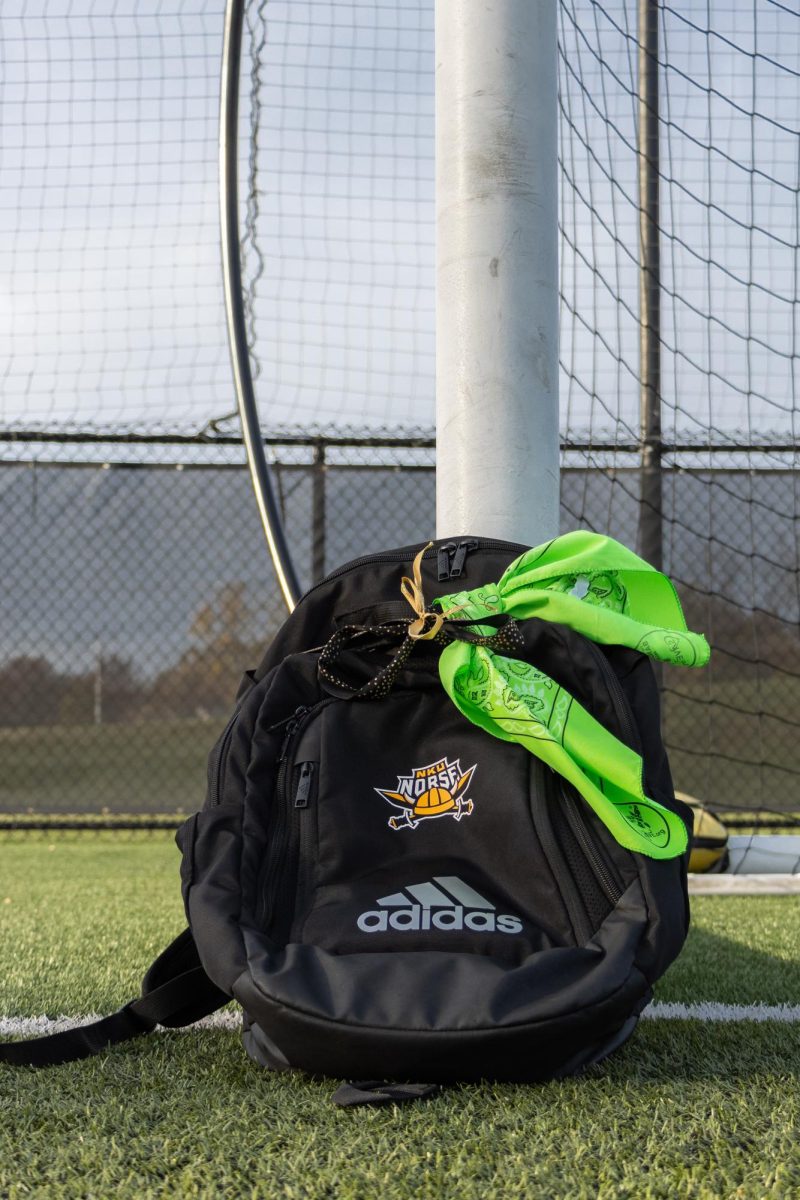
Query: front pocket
{"x": 288, "y": 865}
{"x": 344, "y": 844}
{"x": 281, "y": 882}
{"x": 549, "y": 824}
{"x": 217, "y": 761}
{"x": 410, "y": 812}
{"x": 604, "y": 870}
{"x": 590, "y": 883}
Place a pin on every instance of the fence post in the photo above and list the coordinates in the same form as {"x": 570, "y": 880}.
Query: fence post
{"x": 318, "y": 538}
{"x": 651, "y": 541}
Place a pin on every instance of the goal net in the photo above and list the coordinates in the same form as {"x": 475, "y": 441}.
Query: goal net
{"x": 116, "y": 351}
{"x": 340, "y": 247}
{"x": 729, "y": 360}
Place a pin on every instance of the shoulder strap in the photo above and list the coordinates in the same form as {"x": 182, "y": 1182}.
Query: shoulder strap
{"x": 175, "y": 991}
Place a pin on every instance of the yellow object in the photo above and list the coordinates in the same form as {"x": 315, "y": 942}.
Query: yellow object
{"x": 709, "y": 841}
{"x": 433, "y": 802}
{"x": 413, "y": 593}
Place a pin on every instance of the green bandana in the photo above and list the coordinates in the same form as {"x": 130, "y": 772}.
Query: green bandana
{"x": 606, "y": 592}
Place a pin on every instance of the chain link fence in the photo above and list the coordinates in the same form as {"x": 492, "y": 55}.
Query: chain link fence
{"x": 135, "y": 594}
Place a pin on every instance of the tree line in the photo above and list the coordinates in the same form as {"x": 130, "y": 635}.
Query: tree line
{"x": 200, "y": 684}
{"x": 225, "y": 636}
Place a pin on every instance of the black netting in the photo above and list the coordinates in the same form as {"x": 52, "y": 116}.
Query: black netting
{"x": 135, "y": 597}
{"x": 136, "y": 584}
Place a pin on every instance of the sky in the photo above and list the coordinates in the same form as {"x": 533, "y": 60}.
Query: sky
{"x": 111, "y": 313}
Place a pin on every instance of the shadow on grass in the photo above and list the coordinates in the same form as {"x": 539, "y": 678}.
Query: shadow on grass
{"x": 713, "y": 967}
{"x": 696, "y": 1050}
{"x": 664, "y": 1052}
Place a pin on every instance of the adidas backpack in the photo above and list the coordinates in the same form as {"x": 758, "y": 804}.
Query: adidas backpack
{"x": 393, "y": 891}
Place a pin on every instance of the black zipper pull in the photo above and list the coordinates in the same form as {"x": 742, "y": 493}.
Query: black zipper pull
{"x": 295, "y": 716}
{"x": 459, "y": 559}
{"x": 291, "y": 724}
{"x": 304, "y": 785}
{"x": 443, "y": 560}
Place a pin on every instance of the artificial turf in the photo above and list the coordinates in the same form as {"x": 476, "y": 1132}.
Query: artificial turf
{"x": 135, "y": 767}
{"x": 686, "y": 1109}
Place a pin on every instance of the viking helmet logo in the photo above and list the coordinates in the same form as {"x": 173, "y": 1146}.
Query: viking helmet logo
{"x": 437, "y": 790}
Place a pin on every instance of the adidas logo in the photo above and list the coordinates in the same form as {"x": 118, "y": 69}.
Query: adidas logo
{"x": 447, "y": 903}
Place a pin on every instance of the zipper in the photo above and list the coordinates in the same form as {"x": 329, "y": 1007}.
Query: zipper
{"x": 291, "y": 724}
{"x": 618, "y": 698}
{"x": 281, "y": 859}
{"x": 216, "y": 773}
{"x": 291, "y": 719}
{"x": 305, "y": 855}
{"x": 443, "y": 560}
{"x": 460, "y": 557}
{"x": 610, "y": 885}
{"x": 304, "y": 784}
{"x": 566, "y": 842}
{"x": 489, "y": 544}
{"x": 574, "y": 906}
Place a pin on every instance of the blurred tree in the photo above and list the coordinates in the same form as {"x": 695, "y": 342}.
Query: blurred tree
{"x": 224, "y": 641}
{"x": 30, "y": 692}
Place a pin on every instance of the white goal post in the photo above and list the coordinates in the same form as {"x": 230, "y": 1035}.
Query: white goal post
{"x": 497, "y": 442}
{"x": 497, "y": 305}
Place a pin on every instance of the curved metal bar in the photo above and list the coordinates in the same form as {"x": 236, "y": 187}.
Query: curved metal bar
{"x": 234, "y": 308}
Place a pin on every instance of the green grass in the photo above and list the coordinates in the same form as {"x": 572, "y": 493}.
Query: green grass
{"x": 685, "y": 1110}
{"x": 152, "y": 766}
{"x": 160, "y": 767}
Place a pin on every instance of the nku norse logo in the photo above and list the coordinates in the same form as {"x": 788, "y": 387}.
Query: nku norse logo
{"x": 438, "y": 790}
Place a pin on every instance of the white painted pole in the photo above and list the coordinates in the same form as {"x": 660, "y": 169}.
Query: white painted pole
{"x": 496, "y": 269}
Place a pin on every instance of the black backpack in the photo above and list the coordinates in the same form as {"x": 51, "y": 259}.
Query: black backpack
{"x": 388, "y": 891}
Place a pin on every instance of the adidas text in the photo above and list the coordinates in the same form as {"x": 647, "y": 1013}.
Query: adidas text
{"x": 447, "y": 903}
{"x": 417, "y": 918}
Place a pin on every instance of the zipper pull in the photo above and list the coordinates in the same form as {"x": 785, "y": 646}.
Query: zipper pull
{"x": 295, "y": 716}
{"x": 304, "y": 785}
{"x": 443, "y": 560}
{"x": 460, "y": 557}
{"x": 291, "y": 724}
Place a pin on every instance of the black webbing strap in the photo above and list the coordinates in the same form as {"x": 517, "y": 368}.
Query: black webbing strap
{"x": 175, "y": 991}
{"x": 378, "y": 1091}
{"x": 73, "y": 1044}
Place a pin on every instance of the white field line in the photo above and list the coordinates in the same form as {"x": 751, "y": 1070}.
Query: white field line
{"x": 41, "y": 1026}
{"x": 707, "y": 1010}
{"x": 744, "y": 885}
